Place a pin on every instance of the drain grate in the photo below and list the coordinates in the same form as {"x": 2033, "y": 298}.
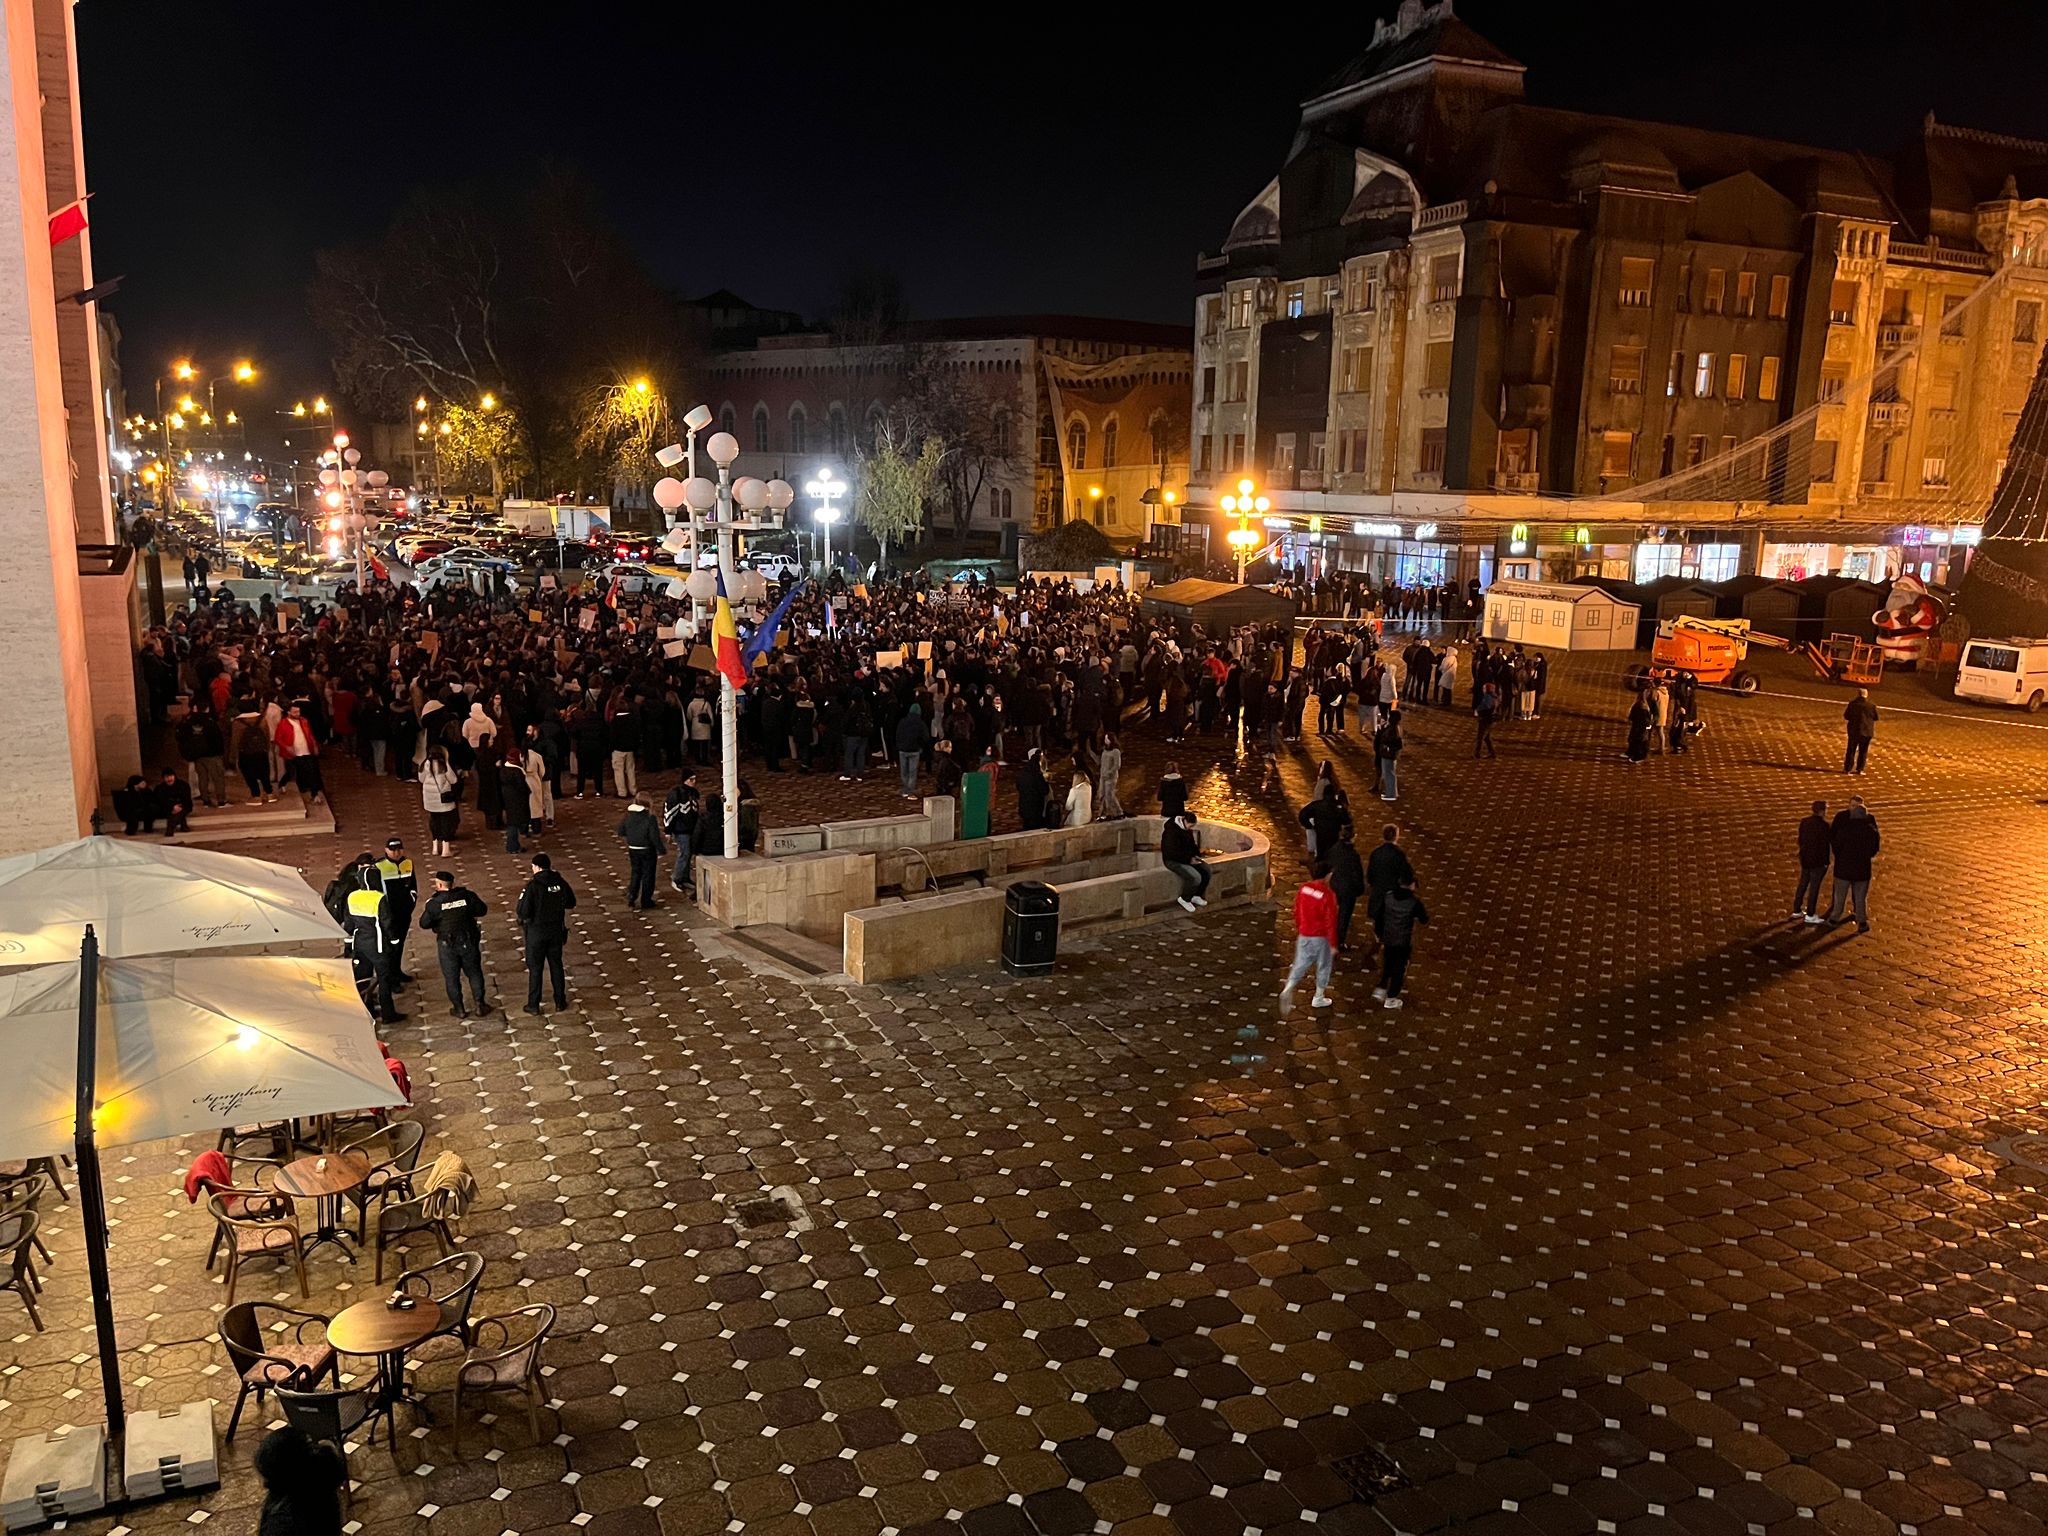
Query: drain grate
{"x": 763, "y": 1212}
{"x": 1369, "y": 1475}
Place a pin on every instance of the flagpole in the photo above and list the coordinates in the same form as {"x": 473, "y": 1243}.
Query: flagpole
{"x": 728, "y": 696}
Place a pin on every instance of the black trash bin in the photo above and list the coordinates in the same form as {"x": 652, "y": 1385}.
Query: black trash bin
{"x": 1031, "y": 928}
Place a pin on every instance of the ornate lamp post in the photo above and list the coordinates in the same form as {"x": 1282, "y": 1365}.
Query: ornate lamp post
{"x": 1242, "y": 506}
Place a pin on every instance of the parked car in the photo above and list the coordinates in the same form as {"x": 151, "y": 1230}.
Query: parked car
{"x": 775, "y": 564}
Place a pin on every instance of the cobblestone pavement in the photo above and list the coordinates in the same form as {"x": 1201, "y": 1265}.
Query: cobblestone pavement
{"x": 1652, "y": 1213}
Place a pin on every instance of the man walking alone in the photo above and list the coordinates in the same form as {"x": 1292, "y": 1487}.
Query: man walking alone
{"x": 1315, "y": 941}
{"x": 544, "y": 907}
{"x": 1861, "y": 719}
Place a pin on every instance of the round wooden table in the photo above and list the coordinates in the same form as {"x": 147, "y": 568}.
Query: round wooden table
{"x": 371, "y": 1328}
{"x": 324, "y": 1178}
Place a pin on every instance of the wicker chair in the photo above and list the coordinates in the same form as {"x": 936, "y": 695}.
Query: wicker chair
{"x": 261, "y": 1225}
{"x": 431, "y": 1210}
{"x": 509, "y": 1362}
{"x": 450, "y": 1284}
{"x": 333, "y": 1414}
{"x": 394, "y": 1154}
{"x": 17, "y": 1242}
{"x": 264, "y": 1359}
{"x": 24, "y": 1192}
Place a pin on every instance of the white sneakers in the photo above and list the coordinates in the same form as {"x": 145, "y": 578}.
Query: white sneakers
{"x": 1187, "y": 903}
{"x": 1321, "y": 1000}
{"x": 1813, "y": 918}
{"x": 1379, "y": 994}
{"x": 1200, "y": 901}
{"x": 1287, "y": 999}
{"x": 1393, "y": 1002}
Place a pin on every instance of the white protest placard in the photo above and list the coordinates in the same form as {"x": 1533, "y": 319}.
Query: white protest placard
{"x": 675, "y": 648}
{"x": 884, "y": 659}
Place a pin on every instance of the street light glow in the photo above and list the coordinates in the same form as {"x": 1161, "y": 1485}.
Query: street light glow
{"x": 182, "y": 370}
{"x": 245, "y": 371}
{"x": 641, "y": 386}
{"x": 490, "y": 402}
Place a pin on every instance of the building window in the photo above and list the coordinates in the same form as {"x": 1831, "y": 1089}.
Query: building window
{"x": 1212, "y": 316}
{"x": 797, "y": 423}
{"x": 1617, "y": 455}
{"x": 1109, "y": 444}
{"x": 1361, "y": 290}
{"x": 1317, "y": 449}
{"x": 1436, "y": 366}
{"x": 2026, "y": 320}
{"x": 1830, "y": 389}
{"x": 1109, "y": 509}
{"x": 1745, "y": 294}
{"x": 1207, "y": 451}
{"x": 1331, "y": 288}
{"x": 1049, "y": 444}
{"x": 1696, "y": 450}
{"x": 1295, "y": 302}
{"x": 1236, "y": 453}
{"x": 1842, "y": 299}
{"x": 1824, "y": 461}
{"x": 1727, "y": 444}
{"x": 1354, "y": 370}
{"x": 1351, "y": 451}
{"x": 728, "y": 423}
{"x": 1443, "y": 279}
{"x": 1781, "y": 297}
{"x": 1240, "y": 380}
{"x": 1767, "y": 379}
{"x": 760, "y": 429}
{"x": 1951, "y": 318}
{"x": 1637, "y": 275}
{"x": 1703, "y": 376}
{"x": 999, "y": 434}
{"x": 1077, "y": 444}
{"x": 1209, "y": 385}
{"x": 1934, "y": 470}
{"x": 1676, "y": 376}
{"x": 1720, "y": 562}
{"x": 1738, "y": 376}
{"x": 1283, "y": 453}
{"x": 1240, "y": 308}
{"x": 1432, "y": 451}
{"x": 835, "y": 423}
{"x": 1625, "y": 370}
{"x": 1717, "y": 289}
{"x": 1684, "y": 296}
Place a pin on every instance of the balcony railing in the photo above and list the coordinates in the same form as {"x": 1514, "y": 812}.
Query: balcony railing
{"x": 1442, "y": 214}
{"x": 1894, "y": 336}
{"x": 1520, "y": 481}
{"x": 1943, "y": 256}
{"x": 1890, "y": 413}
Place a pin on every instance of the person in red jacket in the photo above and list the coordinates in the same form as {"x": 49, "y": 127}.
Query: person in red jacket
{"x": 1315, "y": 937}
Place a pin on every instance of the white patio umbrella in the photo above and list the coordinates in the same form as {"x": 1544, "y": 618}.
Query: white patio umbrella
{"x": 186, "y": 1044}
{"x": 152, "y": 899}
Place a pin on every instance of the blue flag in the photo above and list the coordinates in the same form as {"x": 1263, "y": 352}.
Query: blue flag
{"x": 763, "y": 638}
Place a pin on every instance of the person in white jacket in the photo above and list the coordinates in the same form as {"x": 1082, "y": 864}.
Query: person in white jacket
{"x": 1080, "y": 802}
{"x": 1109, "y": 767}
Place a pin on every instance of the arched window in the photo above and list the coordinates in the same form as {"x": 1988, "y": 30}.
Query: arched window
{"x": 836, "y": 422}
{"x": 1155, "y": 429}
{"x": 1048, "y": 443}
{"x": 1077, "y": 443}
{"x": 797, "y": 423}
{"x": 761, "y": 428}
{"x": 874, "y": 424}
{"x": 728, "y": 422}
{"x": 999, "y": 434}
{"x": 1109, "y": 444}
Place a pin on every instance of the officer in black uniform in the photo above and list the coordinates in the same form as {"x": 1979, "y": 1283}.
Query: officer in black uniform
{"x": 369, "y": 945}
{"x": 450, "y": 916}
{"x": 395, "y": 874}
{"x": 544, "y": 916}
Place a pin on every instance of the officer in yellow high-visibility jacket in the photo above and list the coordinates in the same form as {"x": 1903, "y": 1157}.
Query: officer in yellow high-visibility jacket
{"x": 370, "y": 947}
{"x": 401, "y": 889}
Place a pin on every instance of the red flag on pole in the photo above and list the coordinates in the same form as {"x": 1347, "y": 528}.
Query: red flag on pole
{"x": 67, "y": 222}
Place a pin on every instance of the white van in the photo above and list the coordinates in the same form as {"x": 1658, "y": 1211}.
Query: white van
{"x": 2005, "y": 672}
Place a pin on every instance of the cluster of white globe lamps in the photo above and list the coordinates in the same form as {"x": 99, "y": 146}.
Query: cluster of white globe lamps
{"x": 701, "y": 495}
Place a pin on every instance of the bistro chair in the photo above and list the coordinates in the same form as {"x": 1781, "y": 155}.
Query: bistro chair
{"x": 504, "y": 1356}
{"x": 450, "y": 1284}
{"x": 394, "y": 1154}
{"x": 24, "y": 1192}
{"x": 432, "y": 1201}
{"x": 258, "y": 1225}
{"x": 17, "y": 1241}
{"x": 245, "y": 1178}
{"x": 47, "y": 1167}
{"x": 269, "y": 1347}
{"x": 239, "y": 1141}
{"x": 332, "y": 1414}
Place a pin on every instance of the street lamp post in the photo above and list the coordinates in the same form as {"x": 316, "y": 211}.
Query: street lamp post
{"x": 1242, "y": 506}
{"x": 826, "y": 488}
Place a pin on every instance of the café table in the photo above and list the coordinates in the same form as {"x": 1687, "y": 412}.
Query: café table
{"x": 324, "y": 1179}
{"x": 378, "y": 1329}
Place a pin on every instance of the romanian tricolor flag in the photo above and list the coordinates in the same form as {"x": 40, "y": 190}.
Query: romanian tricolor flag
{"x": 725, "y": 639}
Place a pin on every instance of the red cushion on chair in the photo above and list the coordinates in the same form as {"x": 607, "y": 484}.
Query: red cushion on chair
{"x": 209, "y": 1171}
{"x": 398, "y": 1075}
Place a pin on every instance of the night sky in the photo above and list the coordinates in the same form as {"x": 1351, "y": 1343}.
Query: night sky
{"x": 1036, "y": 160}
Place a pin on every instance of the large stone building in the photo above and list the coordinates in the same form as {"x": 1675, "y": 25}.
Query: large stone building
{"x": 1075, "y": 418}
{"x": 1460, "y": 335}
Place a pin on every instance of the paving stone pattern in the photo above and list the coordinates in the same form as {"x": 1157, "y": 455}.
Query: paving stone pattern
{"x": 1650, "y": 1214}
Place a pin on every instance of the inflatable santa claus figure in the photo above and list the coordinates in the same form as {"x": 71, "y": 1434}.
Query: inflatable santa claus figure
{"x": 1907, "y": 621}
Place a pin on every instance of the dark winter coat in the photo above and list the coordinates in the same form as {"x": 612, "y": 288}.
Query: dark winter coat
{"x": 1854, "y": 839}
{"x": 1814, "y": 846}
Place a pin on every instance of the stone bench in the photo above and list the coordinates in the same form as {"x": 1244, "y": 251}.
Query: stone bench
{"x": 907, "y": 938}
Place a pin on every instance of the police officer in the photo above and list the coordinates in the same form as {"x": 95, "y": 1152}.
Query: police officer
{"x": 395, "y": 874}
{"x": 370, "y": 946}
{"x": 450, "y": 916}
{"x": 544, "y": 907}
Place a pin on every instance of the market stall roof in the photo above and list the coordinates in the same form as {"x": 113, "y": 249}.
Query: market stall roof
{"x": 1218, "y": 605}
